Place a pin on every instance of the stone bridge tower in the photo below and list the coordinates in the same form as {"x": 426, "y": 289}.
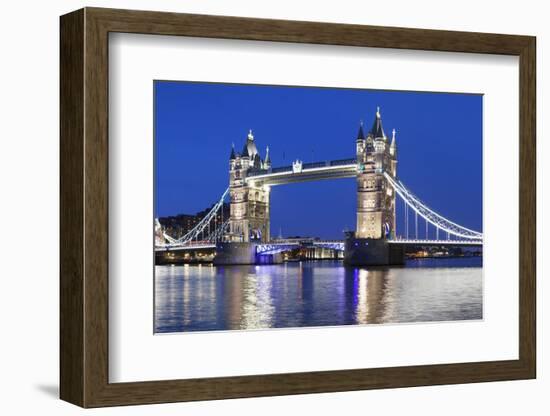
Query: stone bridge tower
{"x": 375, "y": 201}
{"x": 375, "y": 197}
{"x": 249, "y": 204}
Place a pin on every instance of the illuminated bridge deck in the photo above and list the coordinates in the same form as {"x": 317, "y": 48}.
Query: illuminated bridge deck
{"x": 334, "y": 169}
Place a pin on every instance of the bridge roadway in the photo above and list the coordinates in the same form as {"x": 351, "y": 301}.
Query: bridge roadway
{"x": 334, "y": 169}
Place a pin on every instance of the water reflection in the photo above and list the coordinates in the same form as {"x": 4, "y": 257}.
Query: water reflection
{"x": 206, "y": 298}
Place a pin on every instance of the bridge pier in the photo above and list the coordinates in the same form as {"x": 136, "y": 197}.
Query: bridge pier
{"x": 243, "y": 253}
{"x": 372, "y": 252}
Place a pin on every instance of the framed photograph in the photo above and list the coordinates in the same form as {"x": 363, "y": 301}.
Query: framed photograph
{"x": 255, "y": 207}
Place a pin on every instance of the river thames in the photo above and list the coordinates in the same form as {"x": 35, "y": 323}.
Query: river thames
{"x": 315, "y": 293}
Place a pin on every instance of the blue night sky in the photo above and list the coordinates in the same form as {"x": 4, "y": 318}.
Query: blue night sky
{"x": 439, "y": 142}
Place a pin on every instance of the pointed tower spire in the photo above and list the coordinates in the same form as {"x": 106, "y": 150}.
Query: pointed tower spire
{"x": 251, "y": 150}
{"x": 360, "y": 133}
{"x": 267, "y": 160}
{"x": 232, "y": 156}
{"x": 393, "y": 146}
{"x": 377, "y": 131}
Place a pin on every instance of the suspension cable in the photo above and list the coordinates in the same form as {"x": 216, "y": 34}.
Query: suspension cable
{"x": 429, "y": 215}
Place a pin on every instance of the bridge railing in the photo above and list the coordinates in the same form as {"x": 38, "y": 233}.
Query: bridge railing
{"x": 313, "y": 165}
{"x": 342, "y": 162}
{"x": 281, "y": 169}
{"x": 268, "y": 171}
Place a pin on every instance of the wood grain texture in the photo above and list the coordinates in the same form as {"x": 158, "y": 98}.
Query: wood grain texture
{"x": 527, "y": 207}
{"x": 71, "y": 100}
{"x": 96, "y": 219}
{"x": 84, "y": 205}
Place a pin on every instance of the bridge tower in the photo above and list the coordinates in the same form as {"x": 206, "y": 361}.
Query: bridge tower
{"x": 249, "y": 204}
{"x": 375, "y": 199}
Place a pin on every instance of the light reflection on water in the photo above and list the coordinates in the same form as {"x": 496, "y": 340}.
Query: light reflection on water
{"x": 324, "y": 293}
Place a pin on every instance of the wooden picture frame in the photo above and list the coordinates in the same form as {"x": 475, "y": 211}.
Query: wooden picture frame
{"x": 84, "y": 207}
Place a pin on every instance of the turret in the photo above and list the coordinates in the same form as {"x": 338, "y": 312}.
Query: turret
{"x": 360, "y": 133}
{"x": 393, "y": 146}
{"x": 233, "y": 157}
{"x": 267, "y": 160}
{"x": 250, "y": 146}
{"x": 360, "y": 143}
{"x": 377, "y": 131}
{"x": 393, "y": 154}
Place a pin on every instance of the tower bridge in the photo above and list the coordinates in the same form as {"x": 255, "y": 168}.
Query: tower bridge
{"x": 244, "y": 237}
